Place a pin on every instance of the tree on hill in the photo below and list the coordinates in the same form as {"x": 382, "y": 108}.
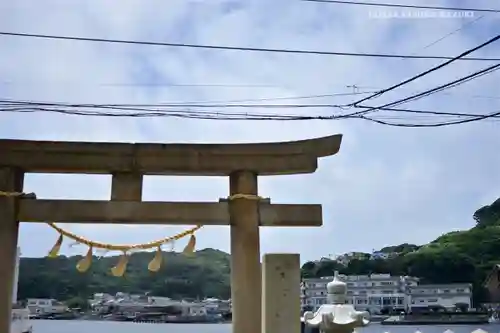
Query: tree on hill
{"x": 441, "y": 266}
{"x": 488, "y": 215}
{"x": 320, "y": 269}
{"x": 78, "y": 303}
{"x": 402, "y": 248}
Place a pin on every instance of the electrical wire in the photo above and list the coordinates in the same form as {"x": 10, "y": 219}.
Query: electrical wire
{"x": 433, "y": 69}
{"x": 442, "y": 124}
{"x": 463, "y": 26}
{"x": 22, "y": 106}
{"x": 451, "y": 33}
{"x": 188, "y": 85}
{"x": 442, "y": 87}
{"x": 167, "y": 108}
{"x": 248, "y": 117}
{"x": 216, "y": 115}
{"x": 298, "y": 97}
{"x": 292, "y": 97}
{"x": 235, "y": 48}
{"x": 223, "y": 113}
{"x": 379, "y": 4}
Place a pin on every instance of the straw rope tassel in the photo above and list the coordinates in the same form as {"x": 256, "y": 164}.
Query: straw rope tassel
{"x": 54, "y": 252}
{"x": 155, "y": 264}
{"x": 18, "y": 195}
{"x": 119, "y": 269}
{"x": 189, "y": 249}
{"x": 84, "y": 264}
{"x": 121, "y": 266}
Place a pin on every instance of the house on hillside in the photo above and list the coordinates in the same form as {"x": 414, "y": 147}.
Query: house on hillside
{"x": 381, "y": 255}
{"x": 492, "y": 284}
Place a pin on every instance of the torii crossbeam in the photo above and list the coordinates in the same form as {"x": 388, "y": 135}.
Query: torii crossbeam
{"x": 128, "y": 163}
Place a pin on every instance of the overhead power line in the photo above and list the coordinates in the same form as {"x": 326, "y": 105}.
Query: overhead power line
{"x": 428, "y": 92}
{"x": 441, "y": 124}
{"x": 393, "y": 5}
{"x": 433, "y": 69}
{"x": 224, "y": 116}
{"x": 462, "y": 26}
{"x": 135, "y": 110}
{"x": 145, "y": 84}
{"x": 236, "y": 48}
{"x": 451, "y": 33}
{"x": 291, "y": 97}
{"x": 429, "y": 112}
{"x": 16, "y": 105}
{"x": 355, "y": 91}
{"x": 23, "y": 108}
{"x": 448, "y": 85}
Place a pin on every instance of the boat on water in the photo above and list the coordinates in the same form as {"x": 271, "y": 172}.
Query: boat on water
{"x": 494, "y": 319}
{"x": 467, "y": 318}
{"x": 20, "y": 320}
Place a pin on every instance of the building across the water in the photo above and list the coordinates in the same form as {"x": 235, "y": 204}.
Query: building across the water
{"x": 43, "y": 306}
{"x": 141, "y": 305}
{"x": 344, "y": 259}
{"x": 216, "y": 306}
{"x": 448, "y": 296}
{"x": 375, "y": 292}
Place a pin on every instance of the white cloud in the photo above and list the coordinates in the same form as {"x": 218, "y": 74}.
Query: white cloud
{"x": 386, "y": 185}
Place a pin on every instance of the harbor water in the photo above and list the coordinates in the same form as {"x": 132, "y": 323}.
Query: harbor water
{"x": 74, "y": 326}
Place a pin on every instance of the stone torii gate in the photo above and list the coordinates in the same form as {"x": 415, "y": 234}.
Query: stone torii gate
{"x": 128, "y": 163}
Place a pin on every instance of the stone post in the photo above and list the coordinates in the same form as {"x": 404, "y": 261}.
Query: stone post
{"x": 281, "y": 293}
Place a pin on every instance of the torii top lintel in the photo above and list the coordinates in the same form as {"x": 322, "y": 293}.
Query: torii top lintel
{"x": 276, "y": 158}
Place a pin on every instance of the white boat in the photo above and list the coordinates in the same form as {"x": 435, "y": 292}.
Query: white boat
{"x": 20, "y": 320}
{"x": 494, "y": 319}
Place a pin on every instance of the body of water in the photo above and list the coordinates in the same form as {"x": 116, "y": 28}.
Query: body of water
{"x": 74, "y": 326}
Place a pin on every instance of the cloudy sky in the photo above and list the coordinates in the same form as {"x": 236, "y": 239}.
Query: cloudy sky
{"x": 386, "y": 185}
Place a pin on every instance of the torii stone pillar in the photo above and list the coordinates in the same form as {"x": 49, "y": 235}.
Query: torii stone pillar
{"x": 128, "y": 163}
{"x": 11, "y": 180}
{"x": 245, "y": 253}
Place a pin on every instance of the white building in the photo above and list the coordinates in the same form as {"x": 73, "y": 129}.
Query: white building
{"x": 216, "y": 306}
{"x": 366, "y": 292}
{"x": 377, "y": 291}
{"x": 445, "y": 295}
{"x": 45, "y": 305}
{"x": 195, "y": 309}
{"x": 380, "y": 255}
{"x": 99, "y": 299}
{"x": 161, "y": 301}
{"x": 344, "y": 259}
